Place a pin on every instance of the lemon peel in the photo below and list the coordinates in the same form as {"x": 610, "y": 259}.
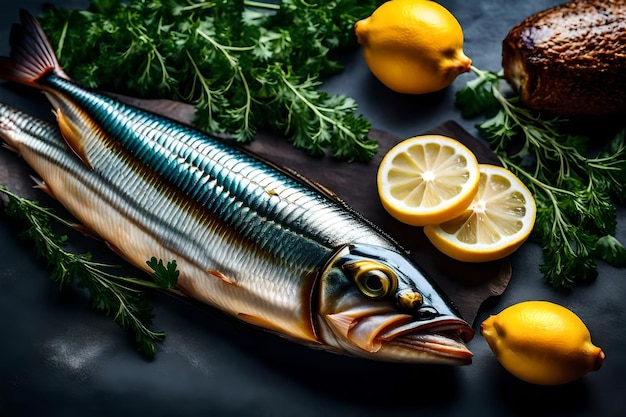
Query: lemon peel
{"x": 413, "y": 46}
{"x": 542, "y": 343}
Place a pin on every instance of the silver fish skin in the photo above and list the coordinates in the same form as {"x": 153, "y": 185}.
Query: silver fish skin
{"x": 253, "y": 240}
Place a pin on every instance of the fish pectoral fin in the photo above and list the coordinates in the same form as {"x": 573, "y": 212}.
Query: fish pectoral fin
{"x": 71, "y": 132}
{"x": 41, "y": 185}
{"x": 342, "y": 323}
{"x": 364, "y": 338}
{"x": 221, "y": 276}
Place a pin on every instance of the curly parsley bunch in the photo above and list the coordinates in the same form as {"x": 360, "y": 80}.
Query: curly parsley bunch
{"x": 245, "y": 65}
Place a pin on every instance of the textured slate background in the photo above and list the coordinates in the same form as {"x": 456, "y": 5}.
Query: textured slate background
{"x": 58, "y": 358}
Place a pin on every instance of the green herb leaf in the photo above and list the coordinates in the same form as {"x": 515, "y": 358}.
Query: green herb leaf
{"x": 476, "y": 97}
{"x": 165, "y": 277}
{"x": 243, "y": 69}
{"x": 121, "y": 297}
{"x": 575, "y": 192}
{"x": 611, "y": 250}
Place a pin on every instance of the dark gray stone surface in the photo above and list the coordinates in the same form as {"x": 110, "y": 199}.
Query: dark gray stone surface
{"x": 59, "y": 358}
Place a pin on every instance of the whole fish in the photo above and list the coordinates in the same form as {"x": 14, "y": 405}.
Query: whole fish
{"x": 256, "y": 241}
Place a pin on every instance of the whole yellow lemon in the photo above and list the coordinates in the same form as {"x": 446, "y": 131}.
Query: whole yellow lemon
{"x": 542, "y": 343}
{"x": 413, "y": 46}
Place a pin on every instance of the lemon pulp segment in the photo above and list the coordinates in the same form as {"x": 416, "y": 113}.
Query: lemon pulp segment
{"x": 427, "y": 179}
{"x": 427, "y": 176}
{"x": 497, "y": 222}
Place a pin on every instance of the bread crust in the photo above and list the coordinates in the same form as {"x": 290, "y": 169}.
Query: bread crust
{"x": 570, "y": 59}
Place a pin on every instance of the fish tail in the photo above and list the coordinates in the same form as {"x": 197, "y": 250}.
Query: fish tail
{"x": 33, "y": 62}
{"x": 32, "y": 56}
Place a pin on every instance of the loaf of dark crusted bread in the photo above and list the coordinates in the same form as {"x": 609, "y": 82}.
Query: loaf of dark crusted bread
{"x": 570, "y": 59}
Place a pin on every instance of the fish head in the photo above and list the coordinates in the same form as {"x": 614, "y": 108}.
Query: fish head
{"x": 376, "y": 303}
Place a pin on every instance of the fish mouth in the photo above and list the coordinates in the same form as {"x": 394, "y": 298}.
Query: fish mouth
{"x": 443, "y": 337}
{"x": 397, "y": 337}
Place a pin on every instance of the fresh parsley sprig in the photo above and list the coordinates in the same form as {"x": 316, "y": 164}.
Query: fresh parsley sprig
{"x": 574, "y": 192}
{"x": 242, "y": 68}
{"x": 122, "y": 297}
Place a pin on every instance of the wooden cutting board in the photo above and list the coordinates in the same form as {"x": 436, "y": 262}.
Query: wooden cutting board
{"x": 467, "y": 285}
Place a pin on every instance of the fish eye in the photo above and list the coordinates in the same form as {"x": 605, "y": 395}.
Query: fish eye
{"x": 373, "y": 279}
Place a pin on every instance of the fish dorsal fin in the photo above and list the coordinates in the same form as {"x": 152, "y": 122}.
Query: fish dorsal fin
{"x": 318, "y": 187}
{"x": 73, "y": 137}
{"x": 185, "y": 113}
{"x": 175, "y": 110}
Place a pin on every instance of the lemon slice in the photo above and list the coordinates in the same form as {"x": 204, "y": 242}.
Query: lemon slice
{"x": 498, "y": 221}
{"x": 427, "y": 179}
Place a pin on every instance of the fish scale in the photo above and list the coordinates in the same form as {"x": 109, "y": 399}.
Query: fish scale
{"x": 224, "y": 180}
{"x": 184, "y": 235}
